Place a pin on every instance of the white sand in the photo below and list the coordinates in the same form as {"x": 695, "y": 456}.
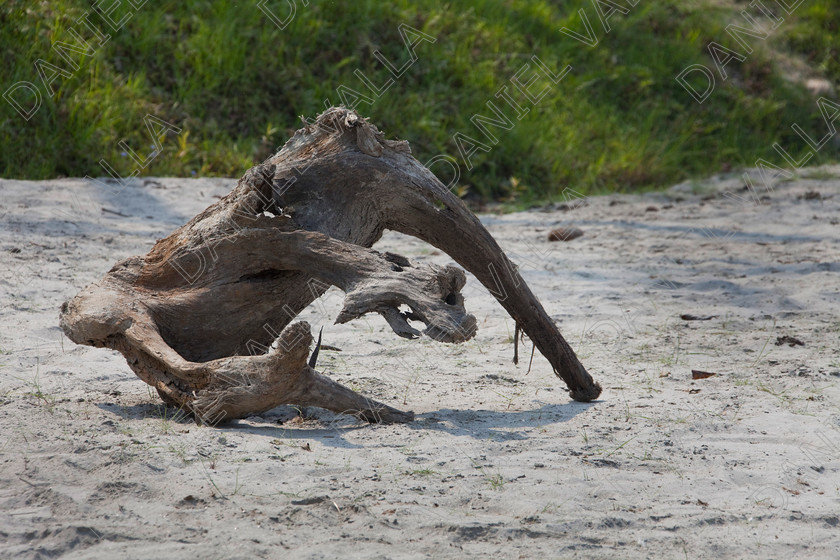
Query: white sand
{"x": 498, "y": 463}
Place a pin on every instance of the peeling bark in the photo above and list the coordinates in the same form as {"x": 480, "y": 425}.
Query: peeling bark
{"x": 188, "y": 315}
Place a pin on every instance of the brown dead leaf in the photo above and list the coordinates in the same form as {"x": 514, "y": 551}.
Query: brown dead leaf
{"x": 789, "y": 340}
{"x": 697, "y": 374}
{"x": 564, "y": 234}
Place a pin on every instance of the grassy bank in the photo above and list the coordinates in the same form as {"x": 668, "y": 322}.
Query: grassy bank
{"x": 234, "y": 84}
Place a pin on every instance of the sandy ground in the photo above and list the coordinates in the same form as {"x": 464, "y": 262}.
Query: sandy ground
{"x": 500, "y": 462}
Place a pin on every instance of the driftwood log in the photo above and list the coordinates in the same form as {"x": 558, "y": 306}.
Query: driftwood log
{"x": 206, "y": 317}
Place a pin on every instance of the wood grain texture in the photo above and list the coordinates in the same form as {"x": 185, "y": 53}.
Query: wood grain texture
{"x": 188, "y": 315}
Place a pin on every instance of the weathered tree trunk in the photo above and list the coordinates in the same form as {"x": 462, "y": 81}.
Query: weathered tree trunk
{"x": 188, "y": 315}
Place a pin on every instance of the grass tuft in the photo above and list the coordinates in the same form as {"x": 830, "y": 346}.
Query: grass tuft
{"x": 234, "y": 84}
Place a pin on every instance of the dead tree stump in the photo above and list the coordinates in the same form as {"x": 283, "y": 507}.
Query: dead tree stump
{"x": 188, "y": 315}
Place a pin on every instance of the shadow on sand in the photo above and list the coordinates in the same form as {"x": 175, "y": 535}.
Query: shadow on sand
{"x": 328, "y": 428}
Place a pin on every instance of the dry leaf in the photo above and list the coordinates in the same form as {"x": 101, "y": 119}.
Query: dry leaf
{"x": 697, "y": 374}
{"x": 564, "y": 234}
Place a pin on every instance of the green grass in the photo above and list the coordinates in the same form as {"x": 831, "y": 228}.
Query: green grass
{"x": 235, "y": 85}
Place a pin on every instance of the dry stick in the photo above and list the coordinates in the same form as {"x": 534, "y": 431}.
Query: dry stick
{"x": 108, "y": 210}
{"x": 516, "y": 343}
{"x": 533, "y": 347}
{"x": 516, "y": 335}
{"x": 314, "y": 358}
